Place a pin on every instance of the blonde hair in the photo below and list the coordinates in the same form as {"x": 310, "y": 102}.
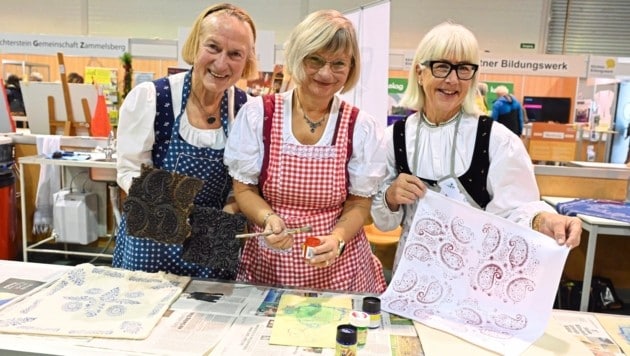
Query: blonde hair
{"x": 190, "y": 49}
{"x": 445, "y": 40}
{"x": 326, "y": 30}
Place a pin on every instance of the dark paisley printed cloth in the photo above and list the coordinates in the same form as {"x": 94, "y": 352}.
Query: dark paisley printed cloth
{"x": 212, "y": 242}
{"x": 159, "y": 203}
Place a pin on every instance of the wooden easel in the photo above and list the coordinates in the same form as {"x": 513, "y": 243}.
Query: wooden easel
{"x": 69, "y": 125}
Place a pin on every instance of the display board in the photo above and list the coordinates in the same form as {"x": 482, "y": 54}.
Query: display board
{"x": 6, "y": 122}
{"x": 372, "y": 26}
{"x": 36, "y": 95}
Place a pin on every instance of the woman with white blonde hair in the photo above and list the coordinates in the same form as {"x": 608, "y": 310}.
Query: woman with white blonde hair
{"x": 447, "y": 144}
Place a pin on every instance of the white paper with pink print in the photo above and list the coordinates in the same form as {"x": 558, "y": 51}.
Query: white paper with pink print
{"x": 477, "y": 276}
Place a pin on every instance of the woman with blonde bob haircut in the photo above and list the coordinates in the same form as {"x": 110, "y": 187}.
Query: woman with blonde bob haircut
{"x": 307, "y": 158}
{"x": 447, "y": 147}
{"x": 328, "y": 30}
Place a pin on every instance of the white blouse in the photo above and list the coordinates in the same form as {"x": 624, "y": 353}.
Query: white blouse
{"x": 245, "y": 149}
{"x": 136, "y": 134}
{"x": 511, "y": 182}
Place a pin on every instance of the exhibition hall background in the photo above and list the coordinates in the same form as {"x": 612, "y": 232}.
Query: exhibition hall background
{"x": 514, "y": 27}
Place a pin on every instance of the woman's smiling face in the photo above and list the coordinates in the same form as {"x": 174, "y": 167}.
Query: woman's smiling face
{"x": 444, "y": 97}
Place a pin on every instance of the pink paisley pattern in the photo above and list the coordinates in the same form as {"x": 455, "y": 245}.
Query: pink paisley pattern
{"x": 513, "y": 323}
{"x": 469, "y": 316}
{"x": 518, "y": 252}
{"x": 429, "y": 226}
{"x": 398, "y": 304}
{"x": 518, "y": 288}
{"x": 492, "y": 239}
{"x": 461, "y": 232}
{"x": 430, "y": 294}
{"x": 406, "y": 283}
{"x": 450, "y": 258}
{"x": 475, "y": 277}
{"x": 488, "y": 275}
{"x": 423, "y": 314}
{"x": 417, "y": 251}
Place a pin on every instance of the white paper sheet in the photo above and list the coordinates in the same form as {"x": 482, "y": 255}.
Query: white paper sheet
{"x": 475, "y": 275}
{"x": 96, "y": 301}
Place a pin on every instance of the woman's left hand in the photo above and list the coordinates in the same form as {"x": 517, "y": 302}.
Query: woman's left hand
{"x": 326, "y": 253}
{"x": 566, "y": 230}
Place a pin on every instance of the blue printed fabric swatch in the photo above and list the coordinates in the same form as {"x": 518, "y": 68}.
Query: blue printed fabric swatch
{"x": 607, "y": 209}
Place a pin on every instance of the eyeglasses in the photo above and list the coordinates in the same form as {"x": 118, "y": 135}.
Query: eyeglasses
{"x": 316, "y": 63}
{"x": 441, "y": 69}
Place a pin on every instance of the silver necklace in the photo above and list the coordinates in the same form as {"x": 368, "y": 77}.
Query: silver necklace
{"x": 312, "y": 124}
{"x": 212, "y": 118}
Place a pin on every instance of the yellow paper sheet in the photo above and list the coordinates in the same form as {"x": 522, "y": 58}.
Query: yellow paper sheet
{"x": 613, "y": 325}
{"x": 309, "y": 321}
{"x": 555, "y": 341}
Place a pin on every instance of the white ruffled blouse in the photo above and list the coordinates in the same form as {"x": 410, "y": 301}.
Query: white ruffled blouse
{"x": 511, "y": 182}
{"x": 136, "y": 134}
{"x": 244, "y": 150}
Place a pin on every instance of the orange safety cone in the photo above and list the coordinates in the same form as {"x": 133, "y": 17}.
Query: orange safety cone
{"x": 100, "y": 126}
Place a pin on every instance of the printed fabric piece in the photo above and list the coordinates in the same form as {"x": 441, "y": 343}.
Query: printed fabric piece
{"x": 212, "y": 242}
{"x": 607, "y": 209}
{"x": 159, "y": 203}
{"x": 96, "y": 301}
{"x": 475, "y": 275}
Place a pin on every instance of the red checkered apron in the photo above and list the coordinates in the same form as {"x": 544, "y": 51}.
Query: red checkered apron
{"x": 306, "y": 185}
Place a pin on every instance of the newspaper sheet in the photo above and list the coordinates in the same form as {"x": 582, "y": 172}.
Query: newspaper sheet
{"x": 587, "y": 328}
{"x": 618, "y": 327}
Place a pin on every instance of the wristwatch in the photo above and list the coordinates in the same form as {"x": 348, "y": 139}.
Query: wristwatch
{"x": 342, "y": 246}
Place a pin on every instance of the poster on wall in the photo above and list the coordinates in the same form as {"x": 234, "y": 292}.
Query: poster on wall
{"x": 107, "y": 79}
{"x": 141, "y": 77}
{"x": 583, "y": 110}
{"x": 395, "y": 89}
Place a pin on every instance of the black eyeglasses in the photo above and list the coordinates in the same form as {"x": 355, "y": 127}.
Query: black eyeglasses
{"x": 316, "y": 63}
{"x": 441, "y": 69}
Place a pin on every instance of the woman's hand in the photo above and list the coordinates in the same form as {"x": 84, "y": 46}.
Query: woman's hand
{"x": 327, "y": 252}
{"x": 405, "y": 189}
{"x": 566, "y": 230}
{"x": 279, "y": 240}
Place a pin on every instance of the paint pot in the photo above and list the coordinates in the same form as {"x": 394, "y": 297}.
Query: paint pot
{"x": 308, "y": 248}
{"x": 372, "y": 306}
{"x": 362, "y": 321}
{"x": 346, "y": 340}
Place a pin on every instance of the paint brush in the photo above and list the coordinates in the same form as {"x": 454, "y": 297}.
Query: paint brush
{"x": 267, "y": 233}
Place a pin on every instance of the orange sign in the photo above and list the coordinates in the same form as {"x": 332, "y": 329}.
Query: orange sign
{"x": 552, "y": 142}
{"x": 551, "y": 131}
